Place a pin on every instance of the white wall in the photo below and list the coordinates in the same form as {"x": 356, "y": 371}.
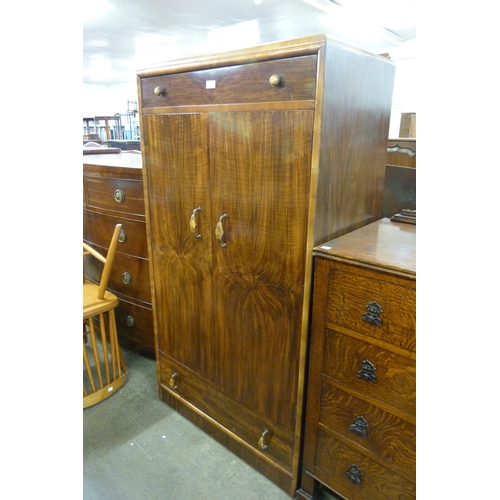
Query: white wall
{"x": 404, "y": 97}
{"x": 107, "y": 100}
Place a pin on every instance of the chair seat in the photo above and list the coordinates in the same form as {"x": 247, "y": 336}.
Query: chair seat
{"x": 92, "y": 305}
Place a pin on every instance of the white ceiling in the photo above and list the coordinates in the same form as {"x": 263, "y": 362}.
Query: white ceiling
{"x": 122, "y": 36}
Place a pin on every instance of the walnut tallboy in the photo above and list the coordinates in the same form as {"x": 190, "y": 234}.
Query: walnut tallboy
{"x": 251, "y": 158}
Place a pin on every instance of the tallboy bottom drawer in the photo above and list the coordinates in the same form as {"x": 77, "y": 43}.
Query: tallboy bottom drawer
{"x": 244, "y": 423}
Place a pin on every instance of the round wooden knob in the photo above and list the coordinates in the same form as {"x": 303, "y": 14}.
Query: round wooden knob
{"x": 275, "y": 80}
{"x": 158, "y": 91}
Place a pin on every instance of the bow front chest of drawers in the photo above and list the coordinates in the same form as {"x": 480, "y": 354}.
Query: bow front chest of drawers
{"x": 113, "y": 194}
{"x": 360, "y": 433}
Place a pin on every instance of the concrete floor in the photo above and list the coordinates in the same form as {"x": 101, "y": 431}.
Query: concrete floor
{"x": 135, "y": 447}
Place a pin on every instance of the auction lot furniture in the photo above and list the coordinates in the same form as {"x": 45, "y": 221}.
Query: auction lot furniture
{"x": 251, "y": 158}
{"x": 360, "y": 436}
{"x": 114, "y": 194}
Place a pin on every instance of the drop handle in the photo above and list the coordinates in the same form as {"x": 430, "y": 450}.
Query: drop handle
{"x": 367, "y": 371}
{"x": 359, "y": 426}
{"x": 354, "y": 474}
{"x": 173, "y": 381}
{"x": 264, "y": 440}
{"x": 193, "y": 223}
{"x": 219, "y": 231}
{"x": 372, "y": 314}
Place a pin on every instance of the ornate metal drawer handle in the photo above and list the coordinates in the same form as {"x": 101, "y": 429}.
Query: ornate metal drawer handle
{"x": 367, "y": 371}
{"x": 119, "y": 196}
{"x": 173, "y": 381}
{"x": 193, "y": 224}
{"x": 130, "y": 321}
{"x": 122, "y": 236}
{"x": 373, "y": 314}
{"x": 264, "y": 440}
{"x": 359, "y": 427}
{"x": 219, "y": 231}
{"x": 354, "y": 474}
{"x": 127, "y": 278}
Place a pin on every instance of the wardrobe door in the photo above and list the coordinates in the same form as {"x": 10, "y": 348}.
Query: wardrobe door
{"x": 260, "y": 176}
{"x": 176, "y": 166}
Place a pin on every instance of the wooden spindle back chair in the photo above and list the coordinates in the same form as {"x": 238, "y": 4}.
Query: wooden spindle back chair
{"x": 103, "y": 364}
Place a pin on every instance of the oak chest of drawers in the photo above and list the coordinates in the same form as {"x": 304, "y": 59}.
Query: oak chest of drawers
{"x": 360, "y": 437}
{"x": 113, "y": 194}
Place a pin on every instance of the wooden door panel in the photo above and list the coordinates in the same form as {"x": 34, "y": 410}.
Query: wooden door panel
{"x": 176, "y": 167}
{"x": 260, "y": 176}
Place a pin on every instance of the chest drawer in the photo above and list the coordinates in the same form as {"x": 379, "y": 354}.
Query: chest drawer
{"x": 115, "y": 194}
{"x": 136, "y": 323}
{"x": 353, "y": 299}
{"x": 356, "y": 476}
{"x": 372, "y": 371}
{"x": 129, "y": 276}
{"x": 377, "y": 431}
{"x": 97, "y": 227}
{"x": 234, "y": 84}
{"x": 260, "y": 434}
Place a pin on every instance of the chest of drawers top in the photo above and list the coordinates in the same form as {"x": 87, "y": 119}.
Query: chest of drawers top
{"x": 382, "y": 244}
{"x": 128, "y": 164}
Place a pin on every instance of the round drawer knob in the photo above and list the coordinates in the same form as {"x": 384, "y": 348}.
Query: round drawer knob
{"x": 158, "y": 91}
{"x": 130, "y": 321}
{"x": 127, "y": 278}
{"x": 119, "y": 196}
{"x": 122, "y": 236}
{"x": 275, "y": 80}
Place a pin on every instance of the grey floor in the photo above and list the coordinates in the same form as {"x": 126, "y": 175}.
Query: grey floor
{"x": 137, "y": 448}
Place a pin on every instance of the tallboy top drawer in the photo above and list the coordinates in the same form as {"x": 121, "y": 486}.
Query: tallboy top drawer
{"x": 289, "y": 79}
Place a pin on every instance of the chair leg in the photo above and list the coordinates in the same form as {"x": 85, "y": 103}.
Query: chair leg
{"x": 112, "y": 322}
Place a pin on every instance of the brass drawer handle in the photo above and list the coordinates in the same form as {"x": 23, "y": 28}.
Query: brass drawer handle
{"x": 275, "y": 80}
{"x": 119, "y": 196}
{"x": 264, "y": 440}
{"x": 158, "y": 91}
{"x": 122, "y": 236}
{"x": 127, "y": 278}
{"x": 354, "y": 474}
{"x": 219, "y": 231}
{"x": 367, "y": 371}
{"x": 359, "y": 427}
{"x": 130, "y": 321}
{"x": 173, "y": 381}
{"x": 193, "y": 223}
{"x": 373, "y": 314}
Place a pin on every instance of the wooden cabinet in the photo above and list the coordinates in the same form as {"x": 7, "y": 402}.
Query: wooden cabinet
{"x": 251, "y": 158}
{"x": 360, "y": 435}
{"x": 114, "y": 194}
